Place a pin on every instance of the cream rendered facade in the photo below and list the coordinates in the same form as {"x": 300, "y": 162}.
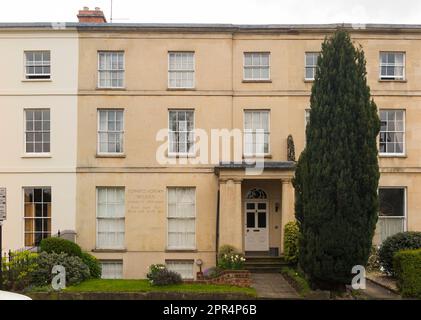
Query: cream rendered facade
{"x": 57, "y": 168}
{"x": 219, "y": 99}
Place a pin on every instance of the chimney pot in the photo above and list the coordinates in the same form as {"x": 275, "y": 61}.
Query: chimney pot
{"x": 91, "y": 16}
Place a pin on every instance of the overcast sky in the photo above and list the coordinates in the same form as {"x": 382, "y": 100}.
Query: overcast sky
{"x": 220, "y": 11}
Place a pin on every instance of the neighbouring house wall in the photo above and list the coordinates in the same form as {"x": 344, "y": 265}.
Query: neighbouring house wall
{"x": 58, "y": 169}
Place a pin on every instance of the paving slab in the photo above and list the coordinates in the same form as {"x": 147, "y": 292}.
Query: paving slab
{"x": 273, "y": 286}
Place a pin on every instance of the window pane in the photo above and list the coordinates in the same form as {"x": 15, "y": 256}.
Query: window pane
{"x": 261, "y": 220}
{"x": 392, "y": 202}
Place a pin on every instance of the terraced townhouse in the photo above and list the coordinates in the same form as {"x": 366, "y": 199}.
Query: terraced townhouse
{"x": 98, "y": 123}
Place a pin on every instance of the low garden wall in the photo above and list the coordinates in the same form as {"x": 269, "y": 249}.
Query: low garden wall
{"x": 239, "y": 278}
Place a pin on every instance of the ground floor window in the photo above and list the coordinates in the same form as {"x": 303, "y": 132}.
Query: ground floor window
{"x": 37, "y": 215}
{"x": 112, "y": 269}
{"x": 110, "y": 218}
{"x": 392, "y": 211}
{"x": 181, "y": 218}
{"x": 183, "y": 267}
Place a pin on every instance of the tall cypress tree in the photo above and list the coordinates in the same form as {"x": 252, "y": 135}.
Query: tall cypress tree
{"x": 337, "y": 174}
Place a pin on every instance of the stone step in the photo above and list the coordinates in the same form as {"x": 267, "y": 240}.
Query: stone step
{"x": 263, "y": 269}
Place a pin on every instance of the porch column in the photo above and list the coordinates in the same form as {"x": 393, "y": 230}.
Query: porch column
{"x": 230, "y": 214}
{"x": 287, "y": 206}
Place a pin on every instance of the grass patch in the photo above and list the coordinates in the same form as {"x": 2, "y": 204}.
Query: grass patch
{"x": 297, "y": 280}
{"x": 105, "y": 285}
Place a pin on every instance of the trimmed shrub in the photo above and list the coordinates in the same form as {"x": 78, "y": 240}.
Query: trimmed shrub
{"x": 159, "y": 275}
{"x": 395, "y": 243}
{"x": 76, "y": 270}
{"x": 93, "y": 264}
{"x": 59, "y": 245}
{"x": 291, "y": 236}
{"x": 229, "y": 258}
{"x": 407, "y": 266}
{"x": 18, "y": 272}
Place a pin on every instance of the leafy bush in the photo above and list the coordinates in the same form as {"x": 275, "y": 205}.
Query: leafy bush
{"x": 76, "y": 270}
{"x": 18, "y": 272}
{"x": 373, "y": 263}
{"x": 212, "y": 272}
{"x": 407, "y": 266}
{"x": 159, "y": 275}
{"x": 59, "y": 245}
{"x": 230, "y": 259}
{"x": 93, "y": 264}
{"x": 291, "y": 236}
{"x": 395, "y": 243}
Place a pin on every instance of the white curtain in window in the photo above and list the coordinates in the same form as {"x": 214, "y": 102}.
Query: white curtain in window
{"x": 181, "y": 218}
{"x": 112, "y": 270}
{"x": 389, "y": 226}
{"x": 111, "y": 218}
{"x": 184, "y": 268}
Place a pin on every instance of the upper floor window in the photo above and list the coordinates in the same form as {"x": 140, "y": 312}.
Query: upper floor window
{"x": 37, "y": 215}
{"x": 37, "y": 65}
{"x": 256, "y": 66}
{"x": 181, "y": 132}
{"x": 310, "y": 65}
{"x": 110, "y": 131}
{"x": 392, "y": 65}
{"x": 111, "y": 69}
{"x": 256, "y": 133}
{"x": 181, "y": 69}
{"x": 110, "y": 218}
{"x": 37, "y": 131}
{"x": 392, "y": 132}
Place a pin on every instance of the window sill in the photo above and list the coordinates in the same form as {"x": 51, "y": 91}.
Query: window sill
{"x": 36, "y": 155}
{"x": 109, "y": 250}
{"x": 111, "y": 88}
{"x": 182, "y": 89}
{"x": 308, "y": 80}
{"x": 181, "y": 250}
{"x": 37, "y": 80}
{"x": 393, "y": 80}
{"x": 181, "y": 156}
{"x": 110, "y": 155}
{"x": 257, "y": 81}
{"x": 386, "y": 155}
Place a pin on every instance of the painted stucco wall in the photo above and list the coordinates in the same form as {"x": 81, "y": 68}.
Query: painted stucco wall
{"x": 17, "y": 169}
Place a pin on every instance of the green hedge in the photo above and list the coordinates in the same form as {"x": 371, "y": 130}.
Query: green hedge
{"x": 93, "y": 264}
{"x": 291, "y": 235}
{"x": 407, "y": 266}
{"x": 59, "y": 245}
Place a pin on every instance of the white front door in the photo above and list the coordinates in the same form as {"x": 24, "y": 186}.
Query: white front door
{"x": 257, "y": 231}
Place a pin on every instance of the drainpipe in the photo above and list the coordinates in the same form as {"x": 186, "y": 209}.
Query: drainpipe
{"x": 217, "y": 227}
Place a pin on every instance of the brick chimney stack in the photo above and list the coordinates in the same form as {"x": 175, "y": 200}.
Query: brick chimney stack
{"x": 91, "y": 16}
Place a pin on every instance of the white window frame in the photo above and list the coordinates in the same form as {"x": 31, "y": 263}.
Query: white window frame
{"x": 36, "y": 154}
{"x": 171, "y": 71}
{"x": 306, "y": 122}
{"x": 405, "y": 206}
{"x": 25, "y": 218}
{"x": 119, "y": 70}
{"x": 314, "y": 67}
{"x": 180, "y": 261}
{"x": 194, "y": 247}
{"x": 43, "y": 76}
{"x": 260, "y": 66}
{"x": 122, "y": 247}
{"x": 392, "y": 78}
{"x": 251, "y": 155}
{"x": 193, "y": 149}
{"x": 395, "y": 154}
{"x": 122, "y": 132}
